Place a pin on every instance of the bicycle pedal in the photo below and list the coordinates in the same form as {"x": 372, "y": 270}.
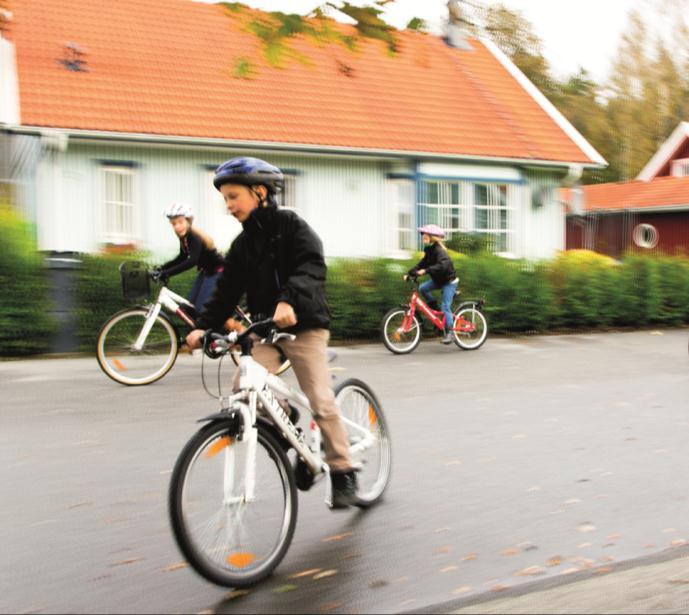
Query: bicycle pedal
{"x": 303, "y": 475}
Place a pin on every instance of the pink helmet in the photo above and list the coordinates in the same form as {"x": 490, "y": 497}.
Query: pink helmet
{"x": 432, "y": 229}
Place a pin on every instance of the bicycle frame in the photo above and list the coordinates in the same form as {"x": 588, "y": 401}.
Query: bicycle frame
{"x": 437, "y": 318}
{"x": 258, "y": 394}
{"x": 170, "y": 301}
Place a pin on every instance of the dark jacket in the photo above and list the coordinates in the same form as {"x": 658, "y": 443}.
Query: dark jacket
{"x": 277, "y": 257}
{"x": 437, "y": 263}
{"x": 193, "y": 253}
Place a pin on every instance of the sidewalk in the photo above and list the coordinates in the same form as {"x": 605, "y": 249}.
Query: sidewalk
{"x": 657, "y": 587}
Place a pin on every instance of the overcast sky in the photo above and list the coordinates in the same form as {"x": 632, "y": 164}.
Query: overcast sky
{"x": 575, "y": 33}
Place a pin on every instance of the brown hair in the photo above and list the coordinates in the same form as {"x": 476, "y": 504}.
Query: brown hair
{"x": 207, "y": 241}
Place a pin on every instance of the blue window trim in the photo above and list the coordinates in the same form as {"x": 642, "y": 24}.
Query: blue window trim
{"x": 128, "y": 164}
{"x": 475, "y": 180}
{"x": 409, "y": 176}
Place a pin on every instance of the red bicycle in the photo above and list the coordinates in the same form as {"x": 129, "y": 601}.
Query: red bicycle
{"x": 401, "y": 327}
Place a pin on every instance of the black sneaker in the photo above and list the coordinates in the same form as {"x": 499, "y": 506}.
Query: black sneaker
{"x": 344, "y": 489}
{"x": 447, "y": 337}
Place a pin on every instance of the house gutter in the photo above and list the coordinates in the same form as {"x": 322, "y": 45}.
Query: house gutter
{"x": 171, "y": 140}
{"x": 659, "y": 209}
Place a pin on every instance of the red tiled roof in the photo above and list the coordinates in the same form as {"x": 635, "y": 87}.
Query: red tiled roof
{"x": 659, "y": 192}
{"x": 165, "y": 67}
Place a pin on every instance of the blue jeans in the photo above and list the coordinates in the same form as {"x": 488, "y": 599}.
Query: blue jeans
{"x": 448, "y": 293}
{"x": 202, "y": 290}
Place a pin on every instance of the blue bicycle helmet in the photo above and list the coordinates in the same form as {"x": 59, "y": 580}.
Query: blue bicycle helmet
{"x": 249, "y": 172}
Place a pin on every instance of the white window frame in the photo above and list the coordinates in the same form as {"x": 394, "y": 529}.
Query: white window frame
{"x": 288, "y": 197}
{"x": 493, "y": 214}
{"x": 462, "y": 216}
{"x": 122, "y": 231}
{"x": 680, "y": 167}
{"x": 400, "y": 204}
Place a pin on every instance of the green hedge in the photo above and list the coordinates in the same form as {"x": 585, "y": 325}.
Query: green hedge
{"x": 26, "y": 326}
{"x": 578, "y": 290}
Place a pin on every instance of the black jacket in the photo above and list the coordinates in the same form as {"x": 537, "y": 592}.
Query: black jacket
{"x": 437, "y": 263}
{"x": 193, "y": 253}
{"x": 277, "y": 257}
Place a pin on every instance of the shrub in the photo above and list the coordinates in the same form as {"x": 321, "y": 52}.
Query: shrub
{"x": 26, "y": 326}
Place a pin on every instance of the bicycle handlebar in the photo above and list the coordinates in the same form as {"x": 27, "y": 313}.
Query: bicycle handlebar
{"x": 220, "y": 343}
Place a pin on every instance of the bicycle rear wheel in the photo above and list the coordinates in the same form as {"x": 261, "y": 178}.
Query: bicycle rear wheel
{"x": 368, "y": 436}
{"x": 470, "y": 328}
{"x": 119, "y": 359}
{"x": 226, "y": 539}
{"x": 400, "y": 334}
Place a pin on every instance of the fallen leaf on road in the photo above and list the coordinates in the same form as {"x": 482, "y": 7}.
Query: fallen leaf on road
{"x": 454, "y": 463}
{"x": 462, "y": 590}
{"x": 79, "y": 505}
{"x": 569, "y": 571}
{"x": 126, "y": 562}
{"x": 337, "y": 537}
{"x": 678, "y": 582}
{"x": 678, "y": 542}
{"x": 614, "y": 536}
{"x": 531, "y": 571}
{"x": 603, "y": 570}
{"x": 305, "y": 573}
{"x": 401, "y": 580}
{"x": 165, "y": 472}
{"x": 329, "y": 606}
{"x": 441, "y": 530}
{"x": 582, "y": 562}
{"x": 586, "y": 527}
{"x": 325, "y": 574}
{"x": 519, "y": 436}
{"x": 441, "y": 550}
{"x": 448, "y": 569}
{"x": 470, "y": 557}
{"x": 378, "y": 583}
{"x": 669, "y": 530}
{"x": 499, "y": 588}
{"x": 509, "y": 551}
{"x": 657, "y": 333}
{"x": 585, "y": 545}
{"x": 353, "y": 555}
{"x": 572, "y": 501}
{"x": 283, "y": 589}
{"x": 607, "y": 559}
{"x": 554, "y": 561}
{"x": 177, "y": 566}
{"x": 533, "y": 489}
{"x": 527, "y": 546}
{"x": 237, "y": 593}
{"x": 649, "y": 546}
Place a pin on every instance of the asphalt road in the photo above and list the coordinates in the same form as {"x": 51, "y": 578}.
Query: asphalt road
{"x": 530, "y": 459}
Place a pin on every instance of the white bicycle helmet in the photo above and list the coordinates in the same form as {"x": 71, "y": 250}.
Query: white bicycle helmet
{"x": 179, "y": 209}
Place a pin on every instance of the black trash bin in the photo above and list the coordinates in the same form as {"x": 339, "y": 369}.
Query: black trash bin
{"x": 62, "y": 272}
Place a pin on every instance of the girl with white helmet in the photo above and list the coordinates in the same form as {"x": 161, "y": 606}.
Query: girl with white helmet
{"x": 196, "y": 249}
{"x": 438, "y": 265}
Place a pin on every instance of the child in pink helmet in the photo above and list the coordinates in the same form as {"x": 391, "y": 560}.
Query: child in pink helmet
{"x": 438, "y": 265}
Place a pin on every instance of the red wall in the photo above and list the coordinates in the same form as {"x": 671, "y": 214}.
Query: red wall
{"x": 612, "y": 234}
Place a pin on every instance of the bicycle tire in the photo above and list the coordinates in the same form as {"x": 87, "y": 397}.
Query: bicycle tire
{"x": 199, "y": 560}
{"x": 367, "y": 409}
{"x": 393, "y": 345}
{"x": 459, "y": 339}
{"x": 114, "y": 368}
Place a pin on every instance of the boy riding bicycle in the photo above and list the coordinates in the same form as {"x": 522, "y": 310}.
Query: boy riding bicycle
{"x": 278, "y": 261}
{"x": 438, "y": 265}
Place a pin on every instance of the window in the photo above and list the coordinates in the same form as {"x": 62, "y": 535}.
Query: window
{"x": 119, "y": 206}
{"x": 401, "y": 215}
{"x": 461, "y": 206}
{"x": 492, "y": 215}
{"x": 288, "y": 197}
{"x": 680, "y": 168}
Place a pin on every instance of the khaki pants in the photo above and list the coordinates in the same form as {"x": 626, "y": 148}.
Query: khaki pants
{"x": 309, "y": 358}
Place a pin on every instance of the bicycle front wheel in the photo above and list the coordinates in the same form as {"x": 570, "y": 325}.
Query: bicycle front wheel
{"x": 228, "y": 537}
{"x": 470, "y": 328}
{"x": 369, "y": 438}
{"x": 120, "y": 360}
{"x": 400, "y": 331}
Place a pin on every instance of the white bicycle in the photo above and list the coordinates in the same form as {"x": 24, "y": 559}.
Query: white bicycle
{"x": 233, "y": 491}
{"x": 139, "y": 345}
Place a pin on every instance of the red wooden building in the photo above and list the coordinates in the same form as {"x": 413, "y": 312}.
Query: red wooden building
{"x": 648, "y": 214}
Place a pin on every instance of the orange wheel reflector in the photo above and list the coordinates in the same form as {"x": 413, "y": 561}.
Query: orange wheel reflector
{"x": 241, "y": 560}
{"x": 396, "y": 337}
{"x": 372, "y": 418}
{"x": 118, "y": 364}
{"x": 217, "y": 446}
